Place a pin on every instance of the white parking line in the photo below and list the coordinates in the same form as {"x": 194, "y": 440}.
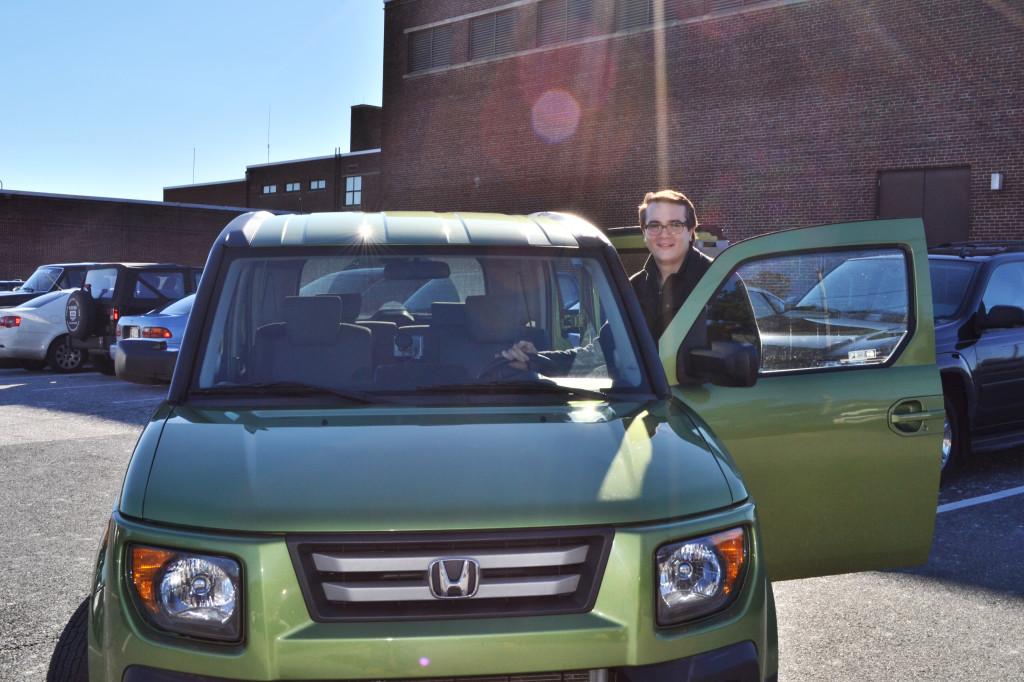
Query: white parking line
{"x": 982, "y": 499}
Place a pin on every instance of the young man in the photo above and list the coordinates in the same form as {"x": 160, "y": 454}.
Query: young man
{"x": 669, "y": 223}
{"x": 674, "y": 267}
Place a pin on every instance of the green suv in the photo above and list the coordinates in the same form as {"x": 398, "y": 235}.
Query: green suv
{"x": 348, "y": 487}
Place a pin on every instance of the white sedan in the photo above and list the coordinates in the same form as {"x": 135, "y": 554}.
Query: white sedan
{"x": 34, "y": 334}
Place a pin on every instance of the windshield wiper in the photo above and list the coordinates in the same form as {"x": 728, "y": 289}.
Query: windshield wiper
{"x": 295, "y": 388}
{"x": 531, "y": 387}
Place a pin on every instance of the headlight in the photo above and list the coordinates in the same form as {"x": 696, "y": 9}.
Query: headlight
{"x": 699, "y": 576}
{"x": 185, "y": 593}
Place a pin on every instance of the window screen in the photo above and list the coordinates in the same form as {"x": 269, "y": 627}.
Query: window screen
{"x": 492, "y": 35}
{"x": 562, "y": 20}
{"x": 632, "y": 14}
{"x": 430, "y": 48}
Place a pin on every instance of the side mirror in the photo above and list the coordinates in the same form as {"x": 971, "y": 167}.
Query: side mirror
{"x": 725, "y": 363}
{"x": 1002, "y": 317}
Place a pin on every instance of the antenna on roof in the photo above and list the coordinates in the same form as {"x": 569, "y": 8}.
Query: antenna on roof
{"x": 268, "y": 133}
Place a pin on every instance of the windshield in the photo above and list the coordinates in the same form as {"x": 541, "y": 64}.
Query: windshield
{"x": 43, "y": 279}
{"x": 323, "y": 320}
{"x": 950, "y": 283}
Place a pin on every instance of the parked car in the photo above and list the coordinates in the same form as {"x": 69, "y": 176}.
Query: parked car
{"x": 46, "y": 278}
{"x": 34, "y": 336}
{"x": 10, "y": 284}
{"x": 113, "y": 290}
{"x": 162, "y": 329}
{"x": 978, "y": 294}
{"x": 326, "y": 495}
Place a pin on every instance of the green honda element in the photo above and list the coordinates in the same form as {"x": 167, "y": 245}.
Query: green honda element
{"x": 348, "y": 481}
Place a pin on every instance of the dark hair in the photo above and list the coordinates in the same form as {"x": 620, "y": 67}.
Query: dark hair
{"x": 669, "y": 196}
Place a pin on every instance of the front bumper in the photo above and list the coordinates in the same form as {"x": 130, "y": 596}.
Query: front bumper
{"x": 143, "y": 361}
{"x": 734, "y": 663}
{"x": 281, "y": 641}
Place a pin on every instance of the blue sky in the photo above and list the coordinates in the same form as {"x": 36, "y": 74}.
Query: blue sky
{"x": 109, "y": 98}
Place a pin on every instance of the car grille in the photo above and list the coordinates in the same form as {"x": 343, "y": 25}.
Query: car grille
{"x": 372, "y": 577}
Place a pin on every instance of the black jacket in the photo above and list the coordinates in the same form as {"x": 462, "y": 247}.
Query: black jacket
{"x": 661, "y": 303}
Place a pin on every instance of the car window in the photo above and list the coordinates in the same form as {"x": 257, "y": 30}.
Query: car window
{"x": 73, "y": 279}
{"x": 274, "y": 322}
{"x": 43, "y": 279}
{"x": 154, "y": 285}
{"x": 950, "y": 283}
{"x": 1005, "y": 286}
{"x": 845, "y": 309}
{"x": 101, "y": 282}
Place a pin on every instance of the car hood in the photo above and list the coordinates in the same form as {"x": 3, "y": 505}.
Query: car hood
{"x": 380, "y": 469}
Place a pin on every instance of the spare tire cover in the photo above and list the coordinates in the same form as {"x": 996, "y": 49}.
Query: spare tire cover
{"x": 78, "y": 314}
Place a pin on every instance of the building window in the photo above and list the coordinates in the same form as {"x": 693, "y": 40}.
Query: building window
{"x": 633, "y": 14}
{"x": 430, "y": 48}
{"x": 562, "y": 20}
{"x": 492, "y": 35}
{"x": 270, "y": 189}
{"x": 317, "y": 184}
{"x": 353, "y": 191}
{"x": 292, "y": 187}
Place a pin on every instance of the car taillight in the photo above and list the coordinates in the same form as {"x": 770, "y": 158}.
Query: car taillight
{"x": 156, "y": 333}
{"x": 115, "y": 314}
{"x": 9, "y": 321}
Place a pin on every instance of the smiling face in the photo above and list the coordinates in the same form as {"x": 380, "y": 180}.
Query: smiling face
{"x": 668, "y": 248}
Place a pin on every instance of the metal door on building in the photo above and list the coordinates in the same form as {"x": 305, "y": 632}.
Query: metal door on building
{"x": 940, "y": 196}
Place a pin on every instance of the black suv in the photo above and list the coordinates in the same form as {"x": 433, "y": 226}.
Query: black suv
{"x": 113, "y": 290}
{"x": 978, "y": 295}
{"x": 45, "y": 279}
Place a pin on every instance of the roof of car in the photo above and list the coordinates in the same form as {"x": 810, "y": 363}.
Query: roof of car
{"x": 263, "y": 229}
{"x": 976, "y": 249}
{"x": 113, "y": 264}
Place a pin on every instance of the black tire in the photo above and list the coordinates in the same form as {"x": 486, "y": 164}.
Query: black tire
{"x": 70, "y": 659}
{"x": 953, "y": 438}
{"x": 79, "y": 313}
{"x": 62, "y": 357}
{"x": 103, "y": 364}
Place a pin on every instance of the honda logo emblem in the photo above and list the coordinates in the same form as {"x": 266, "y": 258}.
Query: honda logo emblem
{"x": 454, "y": 578}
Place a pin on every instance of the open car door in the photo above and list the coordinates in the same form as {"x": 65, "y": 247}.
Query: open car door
{"x": 839, "y": 439}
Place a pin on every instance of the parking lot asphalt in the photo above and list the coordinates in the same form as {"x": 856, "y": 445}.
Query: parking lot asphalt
{"x": 65, "y": 441}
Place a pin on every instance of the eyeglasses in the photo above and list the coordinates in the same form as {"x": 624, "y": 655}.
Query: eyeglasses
{"x": 672, "y": 227}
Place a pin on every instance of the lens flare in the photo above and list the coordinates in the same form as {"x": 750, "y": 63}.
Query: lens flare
{"x": 555, "y": 116}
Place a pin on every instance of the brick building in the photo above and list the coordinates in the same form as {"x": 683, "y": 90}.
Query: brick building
{"x": 338, "y": 182}
{"x": 52, "y": 228}
{"x": 768, "y": 113}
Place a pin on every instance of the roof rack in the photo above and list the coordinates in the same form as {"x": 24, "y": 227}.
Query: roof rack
{"x": 978, "y": 248}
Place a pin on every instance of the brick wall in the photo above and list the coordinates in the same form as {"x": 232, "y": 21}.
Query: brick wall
{"x": 778, "y": 116}
{"x": 61, "y": 229}
{"x": 227, "y": 193}
{"x": 333, "y": 170}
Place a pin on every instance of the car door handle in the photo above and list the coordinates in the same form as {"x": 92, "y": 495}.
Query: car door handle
{"x": 914, "y": 417}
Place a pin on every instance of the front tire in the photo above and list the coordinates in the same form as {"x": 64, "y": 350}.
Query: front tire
{"x": 70, "y": 659}
{"x": 62, "y": 357}
{"x": 953, "y": 446}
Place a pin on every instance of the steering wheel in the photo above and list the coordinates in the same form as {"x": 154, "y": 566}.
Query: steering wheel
{"x": 501, "y": 369}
